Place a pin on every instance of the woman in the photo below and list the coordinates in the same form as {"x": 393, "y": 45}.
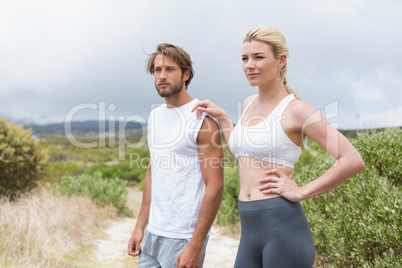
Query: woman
{"x": 266, "y": 143}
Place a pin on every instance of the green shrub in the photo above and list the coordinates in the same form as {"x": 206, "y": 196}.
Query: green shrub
{"x": 382, "y": 151}
{"x": 102, "y": 191}
{"x": 228, "y": 213}
{"x": 311, "y": 153}
{"x": 57, "y": 170}
{"x": 388, "y": 259}
{"x": 357, "y": 222}
{"x": 22, "y": 161}
{"x": 124, "y": 170}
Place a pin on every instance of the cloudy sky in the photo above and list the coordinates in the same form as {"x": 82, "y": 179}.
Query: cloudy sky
{"x": 58, "y": 58}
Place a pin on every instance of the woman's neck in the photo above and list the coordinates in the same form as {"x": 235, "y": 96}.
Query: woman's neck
{"x": 272, "y": 92}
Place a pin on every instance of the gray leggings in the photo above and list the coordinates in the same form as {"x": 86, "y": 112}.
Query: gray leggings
{"x": 274, "y": 233}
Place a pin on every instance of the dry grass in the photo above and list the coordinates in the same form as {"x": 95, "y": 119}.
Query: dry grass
{"x": 46, "y": 230}
{"x": 134, "y": 200}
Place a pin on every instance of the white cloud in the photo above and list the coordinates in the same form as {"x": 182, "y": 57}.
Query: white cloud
{"x": 388, "y": 118}
{"x": 365, "y": 92}
{"x": 57, "y": 54}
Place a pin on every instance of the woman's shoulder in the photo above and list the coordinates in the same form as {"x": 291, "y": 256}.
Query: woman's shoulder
{"x": 300, "y": 109}
{"x": 247, "y": 100}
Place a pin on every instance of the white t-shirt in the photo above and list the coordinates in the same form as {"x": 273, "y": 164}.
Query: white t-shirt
{"x": 177, "y": 184}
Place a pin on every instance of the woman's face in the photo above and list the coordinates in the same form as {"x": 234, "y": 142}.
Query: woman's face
{"x": 259, "y": 63}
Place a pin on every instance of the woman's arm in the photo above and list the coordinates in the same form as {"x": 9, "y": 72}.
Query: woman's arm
{"x": 348, "y": 160}
{"x": 313, "y": 124}
{"x": 217, "y": 112}
{"x": 214, "y": 110}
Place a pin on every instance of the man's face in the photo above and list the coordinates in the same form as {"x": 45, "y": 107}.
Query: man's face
{"x": 168, "y": 76}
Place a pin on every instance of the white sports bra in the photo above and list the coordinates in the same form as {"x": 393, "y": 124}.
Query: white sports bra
{"x": 267, "y": 140}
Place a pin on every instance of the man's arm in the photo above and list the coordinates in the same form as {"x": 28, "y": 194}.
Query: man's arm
{"x": 211, "y": 154}
{"x": 138, "y": 233}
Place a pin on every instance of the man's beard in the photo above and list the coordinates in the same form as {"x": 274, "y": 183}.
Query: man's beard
{"x": 174, "y": 89}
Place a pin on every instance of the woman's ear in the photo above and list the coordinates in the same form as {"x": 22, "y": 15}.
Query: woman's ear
{"x": 282, "y": 62}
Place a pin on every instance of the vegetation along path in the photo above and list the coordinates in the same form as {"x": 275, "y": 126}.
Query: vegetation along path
{"x": 111, "y": 250}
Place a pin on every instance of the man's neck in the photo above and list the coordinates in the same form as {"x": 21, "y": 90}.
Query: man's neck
{"x": 178, "y": 99}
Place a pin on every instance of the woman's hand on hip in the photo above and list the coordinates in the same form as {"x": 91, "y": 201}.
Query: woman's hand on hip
{"x": 280, "y": 184}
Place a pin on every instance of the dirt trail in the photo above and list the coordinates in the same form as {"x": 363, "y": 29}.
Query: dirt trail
{"x": 111, "y": 250}
{"x": 221, "y": 250}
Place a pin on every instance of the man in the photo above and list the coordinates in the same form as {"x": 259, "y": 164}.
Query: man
{"x": 183, "y": 187}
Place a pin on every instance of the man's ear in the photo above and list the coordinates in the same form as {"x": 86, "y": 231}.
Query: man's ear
{"x": 186, "y": 75}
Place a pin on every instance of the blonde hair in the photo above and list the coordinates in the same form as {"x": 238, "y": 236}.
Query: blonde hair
{"x": 275, "y": 39}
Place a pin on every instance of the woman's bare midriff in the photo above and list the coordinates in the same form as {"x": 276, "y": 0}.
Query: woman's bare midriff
{"x": 250, "y": 171}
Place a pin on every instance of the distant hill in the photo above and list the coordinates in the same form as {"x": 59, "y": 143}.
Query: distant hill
{"x": 93, "y": 126}
{"x": 81, "y": 126}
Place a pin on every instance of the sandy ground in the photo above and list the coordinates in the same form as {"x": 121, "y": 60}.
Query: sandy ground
{"x": 221, "y": 249}
{"x": 111, "y": 249}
